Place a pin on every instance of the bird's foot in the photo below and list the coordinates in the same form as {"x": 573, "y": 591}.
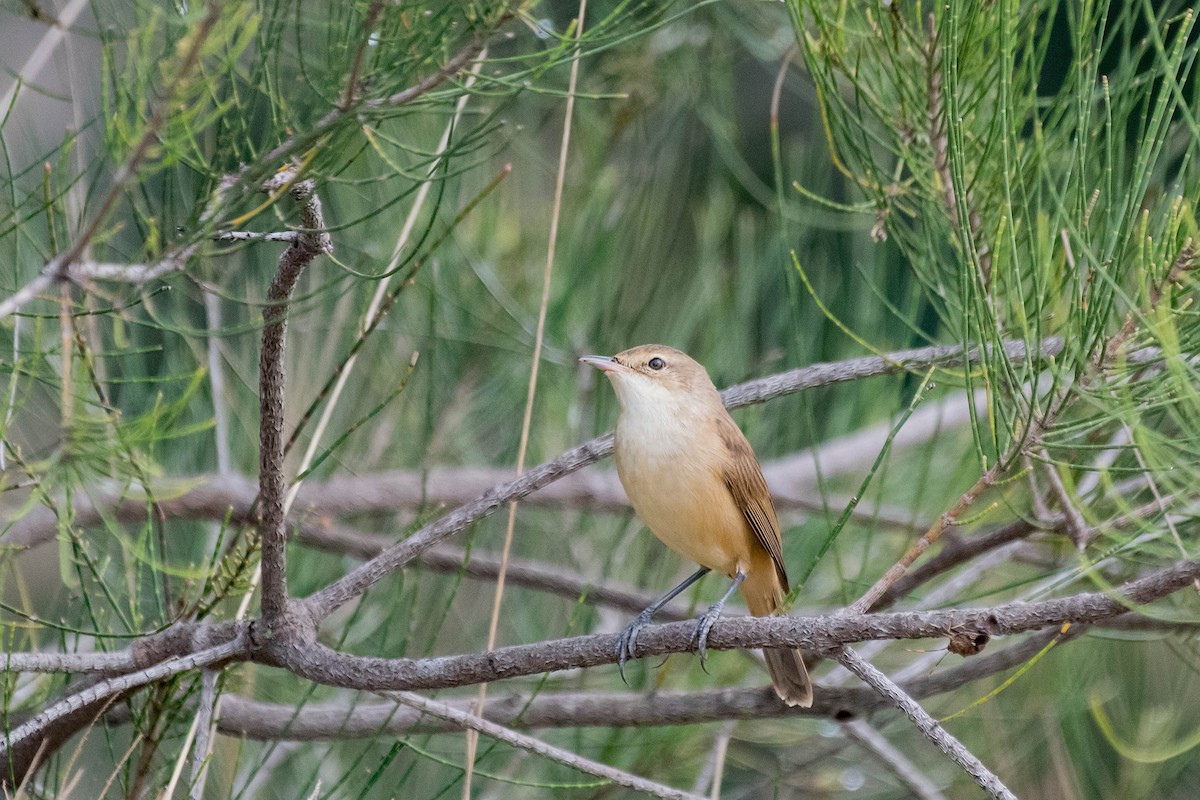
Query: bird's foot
{"x": 627, "y": 641}
{"x": 703, "y": 626}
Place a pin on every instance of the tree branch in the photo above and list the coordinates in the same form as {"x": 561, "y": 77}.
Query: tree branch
{"x": 202, "y": 745}
{"x": 953, "y": 553}
{"x": 572, "y": 760}
{"x": 120, "y": 661}
{"x": 927, "y": 724}
{"x": 272, "y": 484}
{"x": 135, "y": 274}
{"x": 243, "y": 717}
{"x": 257, "y": 236}
{"x": 332, "y": 668}
{"x": 485, "y": 566}
{"x": 946, "y": 520}
{"x": 1077, "y": 527}
{"x": 123, "y": 683}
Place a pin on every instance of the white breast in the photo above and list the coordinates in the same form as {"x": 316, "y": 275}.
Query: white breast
{"x": 672, "y": 477}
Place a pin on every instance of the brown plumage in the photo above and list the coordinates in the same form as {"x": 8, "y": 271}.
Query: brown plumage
{"x": 692, "y": 477}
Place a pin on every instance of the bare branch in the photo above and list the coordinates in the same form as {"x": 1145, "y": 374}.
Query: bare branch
{"x": 565, "y": 757}
{"x": 356, "y": 720}
{"x": 325, "y": 601}
{"x": 484, "y": 566}
{"x": 332, "y": 668}
{"x": 954, "y": 552}
{"x": 272, "y": 485}
{"x": 123, "y": 683}
{"x": 45, "y": 279}
{"x": 202, "y": 747}
{"x": 1077, "y": 527}
{"x": 927, "y": 724}
{"x": 368, "y": 28}
{"x": 119, "y": 661}
{"x": 708, "y": 779}
{"x": 945, "y": 521}
{"x": 135, "y": 274}
{"x": 959, "y": 550}
{"x": 138, "y": 274}
{"x": 256, "y": 236}
{"x": 1184, "y": 262}
{"x": 852, "y": 369}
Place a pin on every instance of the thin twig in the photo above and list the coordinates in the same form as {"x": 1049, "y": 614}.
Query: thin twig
{"x": 952, "y": 554}
{"x": 927, "y": 724}
{"x": 564, "y": 757}
{"x": 529, "y": 573}
{"x": 123, "y": 683}
{"x": 1160, "y": 502}
{"x": 182, "y": 756}
{"x": 202, "y": 749}
{"x": 119, "y": 661}
{"x": 709, "y": 778}
{"x": 945, "y": 521}
{"x": 1184, "y": 262}
{"x": 257, "y": 236}
{"x": 368, "y": 30}
{"x": 1077, "y": 527}
{"x": 135, "y": 274}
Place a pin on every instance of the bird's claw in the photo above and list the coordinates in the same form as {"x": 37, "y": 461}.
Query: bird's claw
{"x": 700, "y": 634}
{"x": 627, "y": 641}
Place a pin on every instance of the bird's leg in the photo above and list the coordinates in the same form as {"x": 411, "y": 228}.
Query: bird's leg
{"x": 705, "y": 623}
{"x": 628, "y": 638}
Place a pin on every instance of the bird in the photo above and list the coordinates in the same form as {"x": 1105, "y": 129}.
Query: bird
{"x": 693, "y": 479}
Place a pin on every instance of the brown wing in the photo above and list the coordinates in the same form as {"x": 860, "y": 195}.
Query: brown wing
{"x": 746, "y": 483}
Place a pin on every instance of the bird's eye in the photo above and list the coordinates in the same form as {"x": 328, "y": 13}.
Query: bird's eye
{"x": 656, "y": 363}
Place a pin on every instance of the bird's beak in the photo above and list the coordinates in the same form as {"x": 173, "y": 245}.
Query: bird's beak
{"x": 602, "y": 363}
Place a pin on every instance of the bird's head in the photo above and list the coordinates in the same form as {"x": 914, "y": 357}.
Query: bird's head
{"x": 655, "y": 373}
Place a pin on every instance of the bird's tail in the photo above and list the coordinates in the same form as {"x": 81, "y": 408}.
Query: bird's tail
{"x": 790, "y": 677}
{"x": 788, "y": 673}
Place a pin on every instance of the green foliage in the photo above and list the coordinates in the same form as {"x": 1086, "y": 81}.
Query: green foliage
{"x": 969, "y": 172}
